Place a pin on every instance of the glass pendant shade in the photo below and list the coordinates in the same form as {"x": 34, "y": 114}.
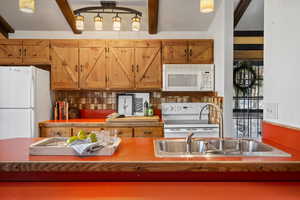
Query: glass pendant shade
{"x": 136, "y": 23}
{"x": 27, "y": 6}
{"x": 116, "y": 23}
{"x": 207, "y": 6}
{"x": 98, "y": 22}
{"x": 79, "y": 22}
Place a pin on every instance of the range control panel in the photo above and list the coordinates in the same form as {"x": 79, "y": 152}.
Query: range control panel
{"x": 183, "y": 108}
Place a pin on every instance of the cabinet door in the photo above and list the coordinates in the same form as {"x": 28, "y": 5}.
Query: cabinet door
{"x": 148, "y": 67}
{"x": 10, "y": 52}
{"x": 201, "y": 52}
{"x": 122, "y": 132}
{"x": 148, "y": 132}
{"x": 92, "y": 68}
{"x": 120, "y": 68}
{"x": 56, "y": 132}
{"x": 36, "y": 52}
{"x": 175, "y": 52}
{"x": 64, "y": 60}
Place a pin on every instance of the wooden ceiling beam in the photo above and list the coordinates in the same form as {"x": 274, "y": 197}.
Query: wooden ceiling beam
{"x": 68, "y": 13}
{"x": 240, "y": 10}
{"x": 153, "y": 16}
{"x": 5, "y": 28}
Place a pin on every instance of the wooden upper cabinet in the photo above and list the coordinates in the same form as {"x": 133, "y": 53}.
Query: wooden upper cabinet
{"x": 36, "y": 52}
{"x": 148, "y": 68}
{"x": 201, "y": 52}
{"x": 120, "y": 65}
{"x": 175, "y": 52}
{"x": 64, "y": 60}
{"x": 10, "y": 52}
{"x": 92, "y": 60}
{"x": 188, "y": 52}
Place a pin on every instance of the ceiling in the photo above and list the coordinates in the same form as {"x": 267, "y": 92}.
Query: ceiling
{"x": 253, "y": 18}
{"x": 174, "y": 15}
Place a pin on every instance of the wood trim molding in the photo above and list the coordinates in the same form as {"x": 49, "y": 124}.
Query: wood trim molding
{"x": 66, "y": 10}
{"x": 153, "y": 16}
{"x": 240, "y": 10}
{"x": 5, "y": 28}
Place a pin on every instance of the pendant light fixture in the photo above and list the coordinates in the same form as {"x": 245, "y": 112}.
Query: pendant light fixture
{"x": 116, "y": 23}
{"x": 207, "y": 6}
{"x": 98, "y": 22}
{"x": 27, "y": 6}
{"x": 79, "y": 22}
{"x": 136, "y": 23}
{"x": 108, "y": 8}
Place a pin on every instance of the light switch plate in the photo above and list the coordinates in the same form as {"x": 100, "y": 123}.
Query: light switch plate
{"x": 271, "y": 110}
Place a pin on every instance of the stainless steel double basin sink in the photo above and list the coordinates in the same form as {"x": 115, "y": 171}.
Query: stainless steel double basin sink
{"x": 214, "y": 148}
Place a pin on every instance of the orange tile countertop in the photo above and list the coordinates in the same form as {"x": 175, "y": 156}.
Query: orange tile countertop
{"x": 150, "y": 190}
{"x": 135, "y": 159}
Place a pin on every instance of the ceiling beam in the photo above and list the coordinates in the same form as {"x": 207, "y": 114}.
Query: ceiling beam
{"x": 240, "y": 10}
{"x": 153, "y": 16}
{"x": 68, "y": 13}
{"x": 5, "y": 28}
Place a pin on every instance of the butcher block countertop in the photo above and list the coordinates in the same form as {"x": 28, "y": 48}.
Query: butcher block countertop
{"x": 135, "y": 160}
{"x": 100, "y": 122}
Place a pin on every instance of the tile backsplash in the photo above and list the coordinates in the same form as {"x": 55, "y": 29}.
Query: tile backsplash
{"x": 107, "y": 99}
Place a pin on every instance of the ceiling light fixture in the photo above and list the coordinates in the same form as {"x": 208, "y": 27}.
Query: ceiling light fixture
{"x": 116, "y": 23}
{"x": 136, "y": 23}
{"x": 98, "y": 22}
{"x": 27, "y": 6}
{"x": 207, "y": 6}
{"x": 108, "y": 7}
{"x": 79, "y": 19}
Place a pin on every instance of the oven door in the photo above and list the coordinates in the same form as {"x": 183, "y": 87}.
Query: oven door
{"x": 198, "y": 132}
{"x": 188, "y": 77}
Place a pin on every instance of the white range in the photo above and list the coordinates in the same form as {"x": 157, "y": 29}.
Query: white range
{"x": 182, "y": 118}
{"x": 24, "y": 101}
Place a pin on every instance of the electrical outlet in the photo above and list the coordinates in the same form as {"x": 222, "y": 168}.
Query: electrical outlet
{"x": 271, "y": 110}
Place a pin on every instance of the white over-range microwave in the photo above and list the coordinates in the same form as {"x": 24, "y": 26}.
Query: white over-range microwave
{"x": 188, "y": 77}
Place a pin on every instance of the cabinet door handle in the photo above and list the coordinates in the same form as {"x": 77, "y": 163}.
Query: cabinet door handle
{"x": 137, "y": 68}
{"x": 58, "y": 134}
{"x": 147, "y": 132}
{"x": 81, "y": 68}
{"x": 76, "y": 68}
{"x": 185, "y": 52}
{"x": 25, "y": 52}
{"x": 20, "y": 52}
{"x": 132, "y": 68}
{"x": 191, "y": 52}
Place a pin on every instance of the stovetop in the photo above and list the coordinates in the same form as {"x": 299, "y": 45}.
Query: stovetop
{"x": 185, "y": 122}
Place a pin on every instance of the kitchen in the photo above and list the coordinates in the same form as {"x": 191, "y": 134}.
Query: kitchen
{"x": 97, "y": 74}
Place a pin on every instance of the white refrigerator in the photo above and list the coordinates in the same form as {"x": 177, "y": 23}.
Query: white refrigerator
{"x": 25, "y": 100}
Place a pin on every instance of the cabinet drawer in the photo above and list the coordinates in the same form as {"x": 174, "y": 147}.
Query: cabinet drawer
{"x": 56, "y": 132}
{"x": 123, "y": 132}
{"x": 148, "y": 132}
{"x": 85, "y": 129}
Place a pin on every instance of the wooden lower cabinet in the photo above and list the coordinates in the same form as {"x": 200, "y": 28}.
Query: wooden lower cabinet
{"x": 56, "y": 132}
{"x": 148, "y": 132}
{"x": 122, "y": 131}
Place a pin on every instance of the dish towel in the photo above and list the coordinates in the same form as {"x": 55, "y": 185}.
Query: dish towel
{"x": 85, "y": 147}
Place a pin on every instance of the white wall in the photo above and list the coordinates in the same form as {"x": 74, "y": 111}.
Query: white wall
{"x": 222, "y": 31}
{"x": 282, "y": 63}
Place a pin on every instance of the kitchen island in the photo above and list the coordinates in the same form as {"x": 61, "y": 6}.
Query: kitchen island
{"x": 135, "y": 160}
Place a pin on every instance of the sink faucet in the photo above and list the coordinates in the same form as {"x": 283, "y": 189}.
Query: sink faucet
{"x": 188, "y": 141}
{"x": 220, "y": 116}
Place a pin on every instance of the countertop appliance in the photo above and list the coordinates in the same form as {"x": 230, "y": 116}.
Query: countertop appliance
{"x": 188, "y": 77}
{"x": 182, "y": 118}
{"x": 24, "y": 101}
